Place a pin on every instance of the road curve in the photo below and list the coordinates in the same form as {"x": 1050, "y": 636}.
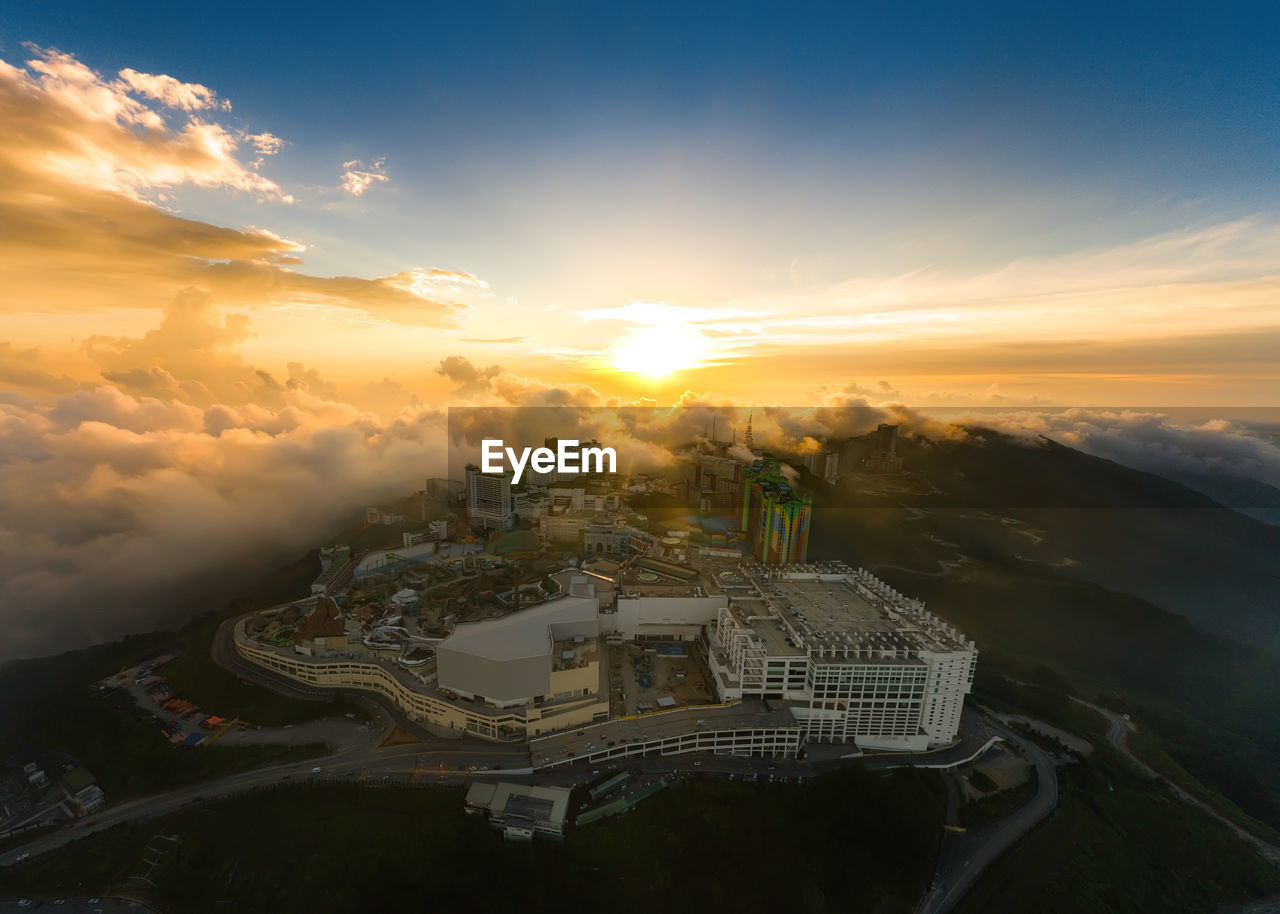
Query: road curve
{"x": 965, "y": 857}
{"x": 1118, "y": 730}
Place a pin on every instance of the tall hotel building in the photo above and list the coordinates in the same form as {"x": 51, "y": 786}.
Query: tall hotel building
{"x": 853, "y": 660}
{"x": 775, "y": 518}
{"x": 489, "y": 501}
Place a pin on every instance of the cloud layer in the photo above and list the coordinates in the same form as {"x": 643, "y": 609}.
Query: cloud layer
{"x": 142, "y": 471}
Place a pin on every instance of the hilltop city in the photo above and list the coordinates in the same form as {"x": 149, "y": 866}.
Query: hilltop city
{"x": 621, "y": 635}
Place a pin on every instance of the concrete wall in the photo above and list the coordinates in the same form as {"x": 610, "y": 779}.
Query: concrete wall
{"x": 472, "y": 718}
{"x": 510, "y": 658}
{"x": 576, "y": 679}
{"x": 501, "y": 680}
{"x": 634, "y": 613}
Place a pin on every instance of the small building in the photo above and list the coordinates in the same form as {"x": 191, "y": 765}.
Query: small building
{"x": 89, "y": 800}
{"x": 393, "y": 561}
{"x": 417, "y": 538}
{"x": 322, "y": 631}
{"x": 444, "y": 528}
{"x": 405, "y": 598}
{"x": 520, "y": 811}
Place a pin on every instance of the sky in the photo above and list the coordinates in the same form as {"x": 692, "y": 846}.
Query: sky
{"x": 249, "y": 255}
{"x": 790, "y": 198}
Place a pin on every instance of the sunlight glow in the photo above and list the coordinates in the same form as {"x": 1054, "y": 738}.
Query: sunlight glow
{"x": 661, "y": 350}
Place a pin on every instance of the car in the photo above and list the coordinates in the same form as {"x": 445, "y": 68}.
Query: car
{"x": 24, "y": 902}
{"x": 22, "y": 857}
{"x": 315, "y": 770}
{"x": 697, "y": 763}
{"x": 94, "y": 900}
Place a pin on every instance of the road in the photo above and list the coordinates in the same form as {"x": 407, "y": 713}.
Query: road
{"x": 438, "y": 762}
{"x": 1118, "y": 730}
{"x": 361, "y": 759}
{"x": 964, "y": 857}
{"x": 433, "y": 760}
{"x": 224, "y": 653}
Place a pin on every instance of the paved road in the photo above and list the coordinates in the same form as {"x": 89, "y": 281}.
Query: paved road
{"x": 71, "y": 905}
{"x": 363, "y": 760}
{"x": 964, "y": 857}
{"x": 224, "y": 654}
{"x": 434, "y": 760}
{"x": 1118, "y": 730}
{"x": 438, "y": 762}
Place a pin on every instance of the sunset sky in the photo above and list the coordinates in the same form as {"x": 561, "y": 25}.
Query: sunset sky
{"x": 248, "y": 255}
{"x": 1072, "y": 206}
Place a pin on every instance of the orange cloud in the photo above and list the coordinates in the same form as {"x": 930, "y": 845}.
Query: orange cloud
{"x": 79, "y": 156}
{"x": 65, "y": 121}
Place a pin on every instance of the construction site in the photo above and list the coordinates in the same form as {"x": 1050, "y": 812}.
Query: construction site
{"x": 646, "y": 677}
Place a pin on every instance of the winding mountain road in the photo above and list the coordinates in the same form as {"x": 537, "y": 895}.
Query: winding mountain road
{"x": 1118, "y": 730}
{"x": 965, "y": 857}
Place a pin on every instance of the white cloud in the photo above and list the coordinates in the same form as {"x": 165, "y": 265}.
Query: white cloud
{"x": 64, "y": 121}
{"x": 356, "y": 178}
{"x": 172, "y": 92}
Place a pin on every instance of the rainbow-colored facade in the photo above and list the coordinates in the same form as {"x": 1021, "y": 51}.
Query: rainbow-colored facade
{"x": 775, "y": 517}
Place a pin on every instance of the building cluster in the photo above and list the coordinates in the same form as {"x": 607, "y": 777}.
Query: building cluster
{"x": 769, "y": 511}
{"x": 520, "y": 811}
{"x": 794, "y": 654}
{"x": 34, "y": 799}
{"x": 824, "y": 463}
{"x": 787, "y": 653}
{"x": 884, "y": 459}
{"x": 558, "y": 506}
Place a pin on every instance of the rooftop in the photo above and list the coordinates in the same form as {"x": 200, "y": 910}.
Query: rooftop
{"x": 703, "y": 573}
{"x": 526, "y": 801}
{"x": 833, "y": 606}
{"x": 826, "y": 605}
{"x": 410, "y": 679}
{"x": 322, "y": 622}
{"x": 526, "y": 633}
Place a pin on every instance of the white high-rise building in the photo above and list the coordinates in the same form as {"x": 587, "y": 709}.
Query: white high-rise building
{"x": 854, "y": 660}
{"x": 489, "y": 501}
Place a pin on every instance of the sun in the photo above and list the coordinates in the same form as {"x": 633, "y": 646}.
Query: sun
{"x": 661, "y": 350}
